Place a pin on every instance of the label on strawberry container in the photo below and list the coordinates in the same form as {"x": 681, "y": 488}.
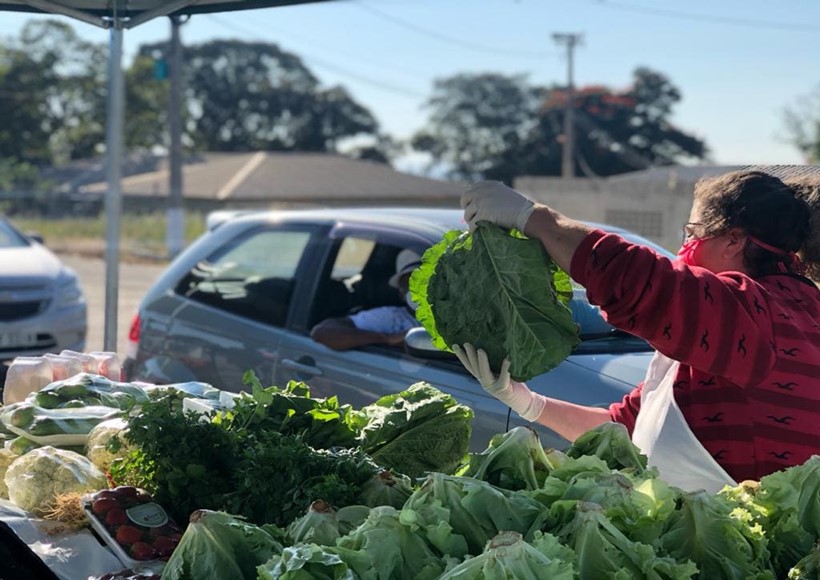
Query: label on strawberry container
{"x": 150, "y": 515}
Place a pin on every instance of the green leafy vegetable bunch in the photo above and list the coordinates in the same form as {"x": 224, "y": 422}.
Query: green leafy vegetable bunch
{"x": 501, "y": 292}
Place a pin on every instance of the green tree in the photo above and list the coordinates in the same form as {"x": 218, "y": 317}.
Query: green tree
{"x": 616, "y": 131}
{"x": 147, "y": 106}
{"x": 73, "y": 105}
{"x": 27, "y": 119}
{"x": 498, "y": 127}
{"x": 248, "y": 96}
{"x": 479, "y": 125}
{"x": 802, "y": 122}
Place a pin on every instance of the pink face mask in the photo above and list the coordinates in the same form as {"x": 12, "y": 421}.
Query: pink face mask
{"x": 686, "y": 254}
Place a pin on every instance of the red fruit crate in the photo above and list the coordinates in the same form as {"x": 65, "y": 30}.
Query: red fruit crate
{"x": 136, "y": 529}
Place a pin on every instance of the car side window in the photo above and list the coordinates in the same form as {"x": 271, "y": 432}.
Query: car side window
{"x": 340, "y": 288}
{"x": 251, "y": 277}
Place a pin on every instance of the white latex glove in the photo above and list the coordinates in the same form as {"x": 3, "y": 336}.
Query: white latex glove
{"x": 517, "y": 396}
{"x": 494, "y": 202}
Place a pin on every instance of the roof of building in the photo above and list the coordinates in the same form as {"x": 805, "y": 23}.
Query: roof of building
{"x": 287, "y": 177}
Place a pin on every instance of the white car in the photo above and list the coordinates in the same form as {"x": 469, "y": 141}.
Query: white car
{"x": 42, "y": 306}
{"x": 247, "y": 293}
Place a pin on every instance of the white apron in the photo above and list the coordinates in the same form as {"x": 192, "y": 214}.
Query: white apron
{"x": 662, "y": 434}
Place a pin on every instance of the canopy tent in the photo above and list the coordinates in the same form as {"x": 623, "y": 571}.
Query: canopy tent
{"x": 119, "y": 15}
{"x": 130, "y": 13}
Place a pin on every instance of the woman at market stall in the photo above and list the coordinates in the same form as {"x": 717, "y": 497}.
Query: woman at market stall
{"x": 733, "y": 391}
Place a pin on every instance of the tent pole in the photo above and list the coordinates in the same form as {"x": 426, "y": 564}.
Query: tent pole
{"x": 113, "y": 198}
{"x": 175, "y": 232}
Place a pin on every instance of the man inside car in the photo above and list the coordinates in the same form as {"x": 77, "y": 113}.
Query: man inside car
{"x": 385, "y": 325}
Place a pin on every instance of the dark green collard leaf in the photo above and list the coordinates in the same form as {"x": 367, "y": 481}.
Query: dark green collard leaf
{"x": 418, "y": 430}
{"x": 500, "y": 292}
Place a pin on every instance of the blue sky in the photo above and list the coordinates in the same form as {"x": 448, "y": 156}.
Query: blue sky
{"x": 738, "y": 63}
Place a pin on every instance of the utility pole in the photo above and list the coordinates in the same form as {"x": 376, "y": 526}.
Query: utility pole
{"x": 174, "y": 237}
{"x": 567, "y": 157}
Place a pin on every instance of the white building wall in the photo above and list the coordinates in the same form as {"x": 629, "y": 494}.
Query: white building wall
{"x": 655, "y": 209}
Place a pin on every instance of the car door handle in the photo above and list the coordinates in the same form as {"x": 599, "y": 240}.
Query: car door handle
{"x": 304, "y": 365}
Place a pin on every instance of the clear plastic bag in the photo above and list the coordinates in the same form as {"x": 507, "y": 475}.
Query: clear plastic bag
{"x": 108, "y": 364}
{"x": 63, "y": 367}
{"x": 25, "y": 375}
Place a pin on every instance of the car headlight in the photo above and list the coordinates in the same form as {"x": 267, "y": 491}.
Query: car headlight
{"x": 69, "y": 293}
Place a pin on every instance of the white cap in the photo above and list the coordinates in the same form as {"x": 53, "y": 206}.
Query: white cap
{"x": 406, "y": 262}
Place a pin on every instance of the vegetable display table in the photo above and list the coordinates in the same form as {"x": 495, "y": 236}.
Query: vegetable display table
{"x": 68, "y": 556}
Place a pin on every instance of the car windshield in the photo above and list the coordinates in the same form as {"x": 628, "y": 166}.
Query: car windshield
{"x": 11, "y": 238}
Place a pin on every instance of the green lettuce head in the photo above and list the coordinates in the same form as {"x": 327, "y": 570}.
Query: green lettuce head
{"x": 500, "y": 292}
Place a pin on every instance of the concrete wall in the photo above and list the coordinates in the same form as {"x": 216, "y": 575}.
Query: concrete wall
{"x": 654, "y": 209}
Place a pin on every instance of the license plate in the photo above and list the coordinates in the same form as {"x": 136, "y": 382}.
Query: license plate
{"x": 17, "y": 339}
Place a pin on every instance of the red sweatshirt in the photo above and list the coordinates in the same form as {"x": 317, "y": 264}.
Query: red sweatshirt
{"x": 749, "y": 379}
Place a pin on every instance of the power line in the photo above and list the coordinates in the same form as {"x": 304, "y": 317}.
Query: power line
{"x": 335, "y": 47}
{"x": 321, "y": 63}
{"x": 708, "y": 18}
{"x": 498, "y": 51}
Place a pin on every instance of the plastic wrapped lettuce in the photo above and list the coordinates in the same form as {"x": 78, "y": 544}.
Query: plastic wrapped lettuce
{"x": 396, "y": 551}
{"x": 637, "y": 507}
{"x": 219, "y": 545}
{"x": 787, "y": 505}
{"x": 717, "y": 538}
{"x": 459, "y": 515}
{"x": 418, "y": 430}
{"x": 609, "y": 441}
{"x": 513, "y": 460}
{"x": 604, "y": 552}
{"x": 507, "y": 555}
{"x": 323, "y": 525}
{"x": 500, "y": 292}
{"x": 381, "y": 547}
{"x": 386, "y": 488}
{"x": 315, "y": 562}
{"x": 807, "y": 568}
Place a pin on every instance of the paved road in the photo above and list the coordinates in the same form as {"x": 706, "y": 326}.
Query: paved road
{"x": 134, "y": 281}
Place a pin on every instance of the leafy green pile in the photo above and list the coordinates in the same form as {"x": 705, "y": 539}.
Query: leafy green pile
{"x": 278, "y": 450}
{"x": 787, "y": 505}
{"x": 260, "y": 474}
{"x": 501, "y": 292}
{"x": 585, "y": 516}
{"x": 291, "y": 410}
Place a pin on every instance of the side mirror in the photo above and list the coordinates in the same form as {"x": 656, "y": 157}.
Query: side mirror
{"x": 418, "y": 343}
{"x": 36, "y": 237}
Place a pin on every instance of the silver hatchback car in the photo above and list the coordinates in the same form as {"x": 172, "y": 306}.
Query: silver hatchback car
{"x": 42, "y": 306}
{"x": 247, "y": 293}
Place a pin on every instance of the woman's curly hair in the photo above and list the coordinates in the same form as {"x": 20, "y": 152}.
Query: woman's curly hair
{"x": 809, "y": 191}
{"x": 779, "y": 205}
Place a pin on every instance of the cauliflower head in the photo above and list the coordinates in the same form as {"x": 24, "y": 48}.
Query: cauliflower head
{"x": 98, "y": 448}
{"x": 35, "y": 479}
{"x": 6, "y": 457}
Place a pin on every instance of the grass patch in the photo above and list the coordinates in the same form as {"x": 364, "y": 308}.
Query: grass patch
{"x": 138, "y": 232}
